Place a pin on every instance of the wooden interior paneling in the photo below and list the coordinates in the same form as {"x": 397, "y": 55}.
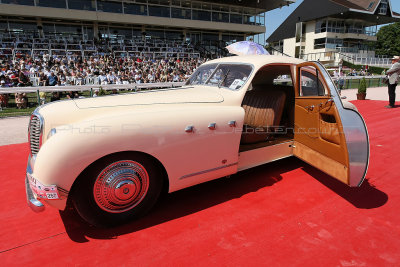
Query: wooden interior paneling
{"x": 322, "y": 162}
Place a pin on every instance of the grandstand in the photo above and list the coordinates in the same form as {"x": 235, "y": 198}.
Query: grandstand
{"x": 16, "y": 46}
{"x": 102, "y": 42}
{"x": 140, "y": 28}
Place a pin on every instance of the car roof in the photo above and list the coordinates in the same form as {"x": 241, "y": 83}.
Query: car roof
{"x": 257, "y": 60}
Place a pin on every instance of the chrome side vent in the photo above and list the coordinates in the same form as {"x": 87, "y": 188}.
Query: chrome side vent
{"x": 35, "y": 133}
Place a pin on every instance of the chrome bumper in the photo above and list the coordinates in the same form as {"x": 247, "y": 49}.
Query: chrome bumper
{"x": 33, "y": 203}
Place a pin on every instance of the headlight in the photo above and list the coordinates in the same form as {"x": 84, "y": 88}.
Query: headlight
{"x": 51, "y": 133}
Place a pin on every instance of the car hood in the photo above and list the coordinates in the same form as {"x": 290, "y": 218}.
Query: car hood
{"x": 195, "y": 94}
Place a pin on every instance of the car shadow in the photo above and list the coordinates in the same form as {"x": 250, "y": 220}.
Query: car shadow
{"x": 203, "y": 196}
{"x": 367, "y": 196}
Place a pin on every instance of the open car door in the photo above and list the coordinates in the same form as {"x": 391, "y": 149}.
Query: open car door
{"x": 327, "y": 135}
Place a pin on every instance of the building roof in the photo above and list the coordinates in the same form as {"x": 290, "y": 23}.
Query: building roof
{"x": 346, "y": 9}
{"x": 367, "y": 5}
{"x": 266, "y": 5}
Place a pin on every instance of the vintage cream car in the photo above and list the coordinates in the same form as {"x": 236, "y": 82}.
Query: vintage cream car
{"x": 112, "y": 156}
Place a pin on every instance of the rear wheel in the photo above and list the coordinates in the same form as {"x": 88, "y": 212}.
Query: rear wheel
{"x": 117, "y": 188}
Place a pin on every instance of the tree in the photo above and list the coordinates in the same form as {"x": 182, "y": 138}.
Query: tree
{"x": 362, "y": 88}
{"x": 389, "y": 40}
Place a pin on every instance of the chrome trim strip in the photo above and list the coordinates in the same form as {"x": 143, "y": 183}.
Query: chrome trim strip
{"x": 210, "y": 170}
{"x": 62, "y": 190}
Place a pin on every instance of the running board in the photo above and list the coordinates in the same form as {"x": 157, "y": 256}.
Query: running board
{"x": 260, "y": 156}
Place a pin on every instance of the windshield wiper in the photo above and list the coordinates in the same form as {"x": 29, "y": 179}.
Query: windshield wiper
{"x": 223, "y": 80}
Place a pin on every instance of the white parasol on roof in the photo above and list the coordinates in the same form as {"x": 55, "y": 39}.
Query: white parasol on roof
{"x": 246, "y": 48}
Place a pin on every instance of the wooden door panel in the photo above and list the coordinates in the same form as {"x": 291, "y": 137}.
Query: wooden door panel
{"x": 319, "y": 139}
{"x": 308, "y": 128}
{"x": 320, "y": 161}
{"x": 309, "y": 124}
{"x": 328, "y": 126}
{"x": 342, "y": 146}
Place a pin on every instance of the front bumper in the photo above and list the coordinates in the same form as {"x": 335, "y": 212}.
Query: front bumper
{"x": 35, "y": 191}
{"x": 33, "y": 203}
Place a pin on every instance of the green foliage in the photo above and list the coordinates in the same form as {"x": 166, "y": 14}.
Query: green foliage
{"x": 362, "y": 88}
{"x": 374, "y": 70}
{"x": 102, "y": 91}
{"x": 389, "y": 40}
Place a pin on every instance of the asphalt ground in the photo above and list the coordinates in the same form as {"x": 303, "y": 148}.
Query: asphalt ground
{"x": 13, "y": 130}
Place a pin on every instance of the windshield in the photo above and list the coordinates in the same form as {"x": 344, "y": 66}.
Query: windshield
{"x": 202, "y": 74}
{"x": 232, "y": 76}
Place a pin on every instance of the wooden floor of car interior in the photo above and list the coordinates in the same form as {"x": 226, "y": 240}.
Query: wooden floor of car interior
{"x": 277, "y": 140}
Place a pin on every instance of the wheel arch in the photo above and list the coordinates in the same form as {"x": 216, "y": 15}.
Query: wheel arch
{"x": 131, "y": 154}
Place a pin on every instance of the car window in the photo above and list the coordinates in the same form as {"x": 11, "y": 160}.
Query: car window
{"x": 201, "y": 75}
{"x": 285, "y": 80}
{"x": 310, "y": 84}
{"x": 232, "y": 76}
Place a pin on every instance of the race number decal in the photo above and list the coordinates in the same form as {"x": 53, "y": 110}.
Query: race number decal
{"x": 52, "y": 195}
{"x": 236, "y": 84}
{"x": 42, "y": 191}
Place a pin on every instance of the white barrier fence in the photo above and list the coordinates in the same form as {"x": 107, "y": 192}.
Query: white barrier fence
{"x": 134, "y": 87}
{"x": 359, "y": 77}
{"x": 70, "y": 81}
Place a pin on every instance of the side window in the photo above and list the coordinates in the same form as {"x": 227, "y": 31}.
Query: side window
{"x": 285, "y": 80}
{"x": 310, "y": 83}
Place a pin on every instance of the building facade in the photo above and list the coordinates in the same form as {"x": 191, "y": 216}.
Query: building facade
{"x": 332, "y": 30}
{"x": 166, "y": 19}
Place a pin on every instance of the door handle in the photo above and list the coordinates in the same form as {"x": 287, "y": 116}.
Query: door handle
{"x": 310, "y": 108}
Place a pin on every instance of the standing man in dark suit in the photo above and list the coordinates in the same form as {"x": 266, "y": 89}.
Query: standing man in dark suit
{"x": 393, "y": 74}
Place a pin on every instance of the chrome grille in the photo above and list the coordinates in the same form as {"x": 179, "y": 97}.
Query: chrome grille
{"x": 35, "y": 132}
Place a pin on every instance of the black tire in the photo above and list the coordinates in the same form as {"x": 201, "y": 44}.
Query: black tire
{"x": 115, "y": 189}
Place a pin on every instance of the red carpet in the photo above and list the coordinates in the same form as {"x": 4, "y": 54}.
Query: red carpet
{"x": 284, "y": 213}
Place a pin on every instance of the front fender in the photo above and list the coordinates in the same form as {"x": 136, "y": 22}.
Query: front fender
{"x": 160, "y": 134}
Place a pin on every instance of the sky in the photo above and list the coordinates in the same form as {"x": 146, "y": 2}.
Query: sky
{"x": 275, "y": 17}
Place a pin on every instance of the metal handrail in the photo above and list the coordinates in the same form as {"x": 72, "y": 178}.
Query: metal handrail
{"x": 133, "y": 86}
{"x": 280, "y": 52}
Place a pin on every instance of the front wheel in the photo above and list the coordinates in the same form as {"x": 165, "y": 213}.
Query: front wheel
{"x": 117, "y": 188}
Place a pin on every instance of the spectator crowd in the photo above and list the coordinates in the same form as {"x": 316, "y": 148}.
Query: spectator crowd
{"x": 63, "y": 71}
{"x": 95, "y": 70}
